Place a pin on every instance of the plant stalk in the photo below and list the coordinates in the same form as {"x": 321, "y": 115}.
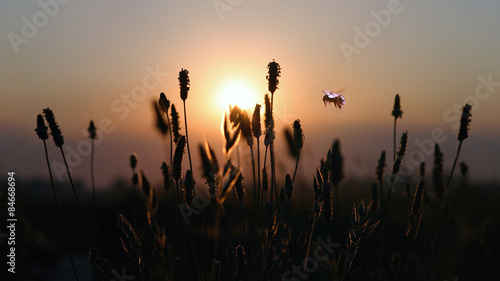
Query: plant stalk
{"x": 65, "y": 234}
{"x": 76, "y": 198}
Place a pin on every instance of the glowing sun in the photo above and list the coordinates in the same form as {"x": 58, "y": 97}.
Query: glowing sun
{"x": 237, "y": 92}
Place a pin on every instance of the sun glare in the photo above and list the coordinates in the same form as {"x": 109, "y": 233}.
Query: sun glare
{"x": 237, "y": 92}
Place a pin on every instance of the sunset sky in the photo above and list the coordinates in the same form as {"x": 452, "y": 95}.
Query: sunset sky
{"x": 107, "y": 61}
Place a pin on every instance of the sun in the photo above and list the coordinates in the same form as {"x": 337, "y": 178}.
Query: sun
{"x": 237, "y": 92}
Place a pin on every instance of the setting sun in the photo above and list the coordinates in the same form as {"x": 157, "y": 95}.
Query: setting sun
{"x": 237, "y": 92}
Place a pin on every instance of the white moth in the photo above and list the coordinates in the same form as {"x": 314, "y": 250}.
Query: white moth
{"x": 337, "y": 98}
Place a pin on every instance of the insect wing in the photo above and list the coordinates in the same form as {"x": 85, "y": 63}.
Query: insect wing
{"x": 336, "y": 98}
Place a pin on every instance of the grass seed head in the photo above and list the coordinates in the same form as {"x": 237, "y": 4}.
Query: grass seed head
{"x": 54, "y": 128}
{"x": 230, "y": 138}
{"x": 401, "y": 152}
{"x": 416, "y": 207}
{"x": 269, "y": 138}
{"x": 416, "y": 211}
{"x": 274, "y": 72}
{"x": 41, "y": 130}
{"x": 256, "y": 127}
{"x": 130, "y": 242}
{"x": 337, "y": 165}
{"x": 160, "y": 122}
{"x": 402, "y": 146}
{"x": 184, "y": 83}
{"x": 164, "y": 103}
{"x": 133, "y": 160}
{"x": 92, "y": 130}
{"x": 176, "y": 129}
{"x": 234, "y": 115}
{"x": 298, "y": 135}
{"x": 397, "y": 112}
{"x": 246, "y": 129}
{"x": 208, "y": 173}
{"x": 464, "y": 123}
{"x": 178, "y": 154}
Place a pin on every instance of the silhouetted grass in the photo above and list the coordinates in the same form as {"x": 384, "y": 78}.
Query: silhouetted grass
{"x": 197, "y": 232}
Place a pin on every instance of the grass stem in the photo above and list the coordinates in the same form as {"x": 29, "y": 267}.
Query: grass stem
{"x": 394, "y": 153}
{"x": 453, "y": 167}
{"x": 309, "y": 243}
{"x": 76, "y": 198}
{"x": 65, "y": 233}
{"x": 187, "y": 138}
